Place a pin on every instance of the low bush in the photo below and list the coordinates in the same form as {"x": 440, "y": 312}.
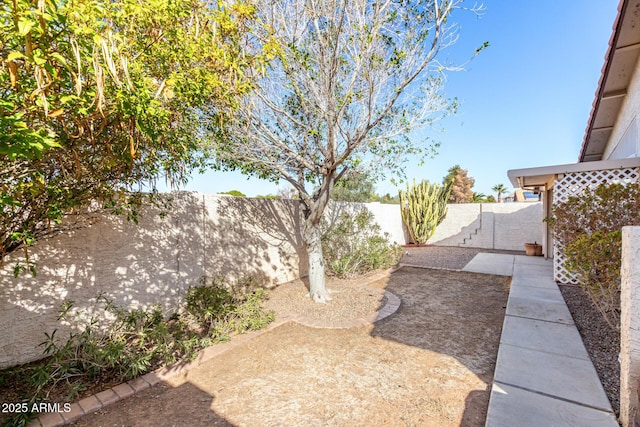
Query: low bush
{"x": 214, "y": 311}
{"x": 133, "y": 342}
{"x": 589, "y": 228}
{"x": 353, "y": 245}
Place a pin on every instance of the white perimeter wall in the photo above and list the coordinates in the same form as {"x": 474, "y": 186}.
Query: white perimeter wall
{"x": 506, "y": 226}
{"x": 155, "y": 261}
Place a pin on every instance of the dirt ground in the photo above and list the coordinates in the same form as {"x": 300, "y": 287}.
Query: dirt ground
{"x": 429, "y": 364}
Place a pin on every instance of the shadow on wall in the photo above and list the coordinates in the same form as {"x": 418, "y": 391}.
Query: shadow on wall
{"x": 153, "y": 262}
{"x": 263, "y": 237}
{"x": 513, "y": 229}
{"x": 194, "y": 236}
{"x": 134, "y": 265}
{"x": 255, "y": 237}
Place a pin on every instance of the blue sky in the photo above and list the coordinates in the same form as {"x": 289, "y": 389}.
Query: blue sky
{"x": 525, "y": 100}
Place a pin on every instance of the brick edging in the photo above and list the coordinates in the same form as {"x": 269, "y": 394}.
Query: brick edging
{"x": 95, "y": 402}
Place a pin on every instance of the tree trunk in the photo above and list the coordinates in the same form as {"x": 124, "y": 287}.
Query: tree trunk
{"x": 312, "y": 236}
{"x": 317, "y": 284}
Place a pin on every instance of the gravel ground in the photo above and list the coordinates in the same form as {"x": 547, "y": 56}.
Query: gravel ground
{"x": 350, "y": 300}
{"x": 429, "y": 364}
{"x": 439, "y": 329}
{"x": 602, "y": 342}
{"x": 444, "y": 257}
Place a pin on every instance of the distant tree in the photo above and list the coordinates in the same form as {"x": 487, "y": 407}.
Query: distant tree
{"x": 461, "y": 185}
{"x": 287, "y": 193}
{"x": 490, "y": 199}
{"x": 354, "y": 187}
{"x": 348, "y": 81}
{"x": 478, "y": 198}
{"x": 389, "y": 199}
{"x": 500, "y": 189}
{"x": 234, "y": 193}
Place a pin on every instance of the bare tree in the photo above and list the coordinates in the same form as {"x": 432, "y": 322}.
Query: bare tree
{"x": 347, "y": 81}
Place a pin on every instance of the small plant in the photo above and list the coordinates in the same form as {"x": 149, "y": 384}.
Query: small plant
{"x": 589, "y": 228}
{"x": 215, "y": 312}
{"x": 354, "y": 245}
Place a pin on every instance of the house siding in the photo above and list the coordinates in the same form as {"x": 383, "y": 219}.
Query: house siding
{"x": 623, "y": 142}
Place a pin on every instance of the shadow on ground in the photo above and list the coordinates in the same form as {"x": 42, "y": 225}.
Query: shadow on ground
{"x": 183, "y": 405}
{"x": 456, "y": 317}
{"x": 430, "y": 364}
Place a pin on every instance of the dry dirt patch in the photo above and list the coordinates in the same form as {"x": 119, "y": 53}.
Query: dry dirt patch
{"x": 430, "y": 364}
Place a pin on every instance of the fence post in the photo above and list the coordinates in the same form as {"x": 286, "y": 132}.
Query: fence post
{"x": 630, "y": 326}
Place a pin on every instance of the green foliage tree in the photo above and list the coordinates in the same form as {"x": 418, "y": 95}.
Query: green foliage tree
{"x": 478, "y": 198}
{"x": 348, "y": 81}
{"x": 424, "y": 207}
{"x": 461, "y": 185}
{"x": 100, "y": 99}
{"x": 490, "y": 199}
{"x": 354, "y": 187}
{"x": 500, "y": 189}
{"x": 589, "y": 229}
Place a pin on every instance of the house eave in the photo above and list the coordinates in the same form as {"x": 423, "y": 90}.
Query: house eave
{"x": 617, "y": 71}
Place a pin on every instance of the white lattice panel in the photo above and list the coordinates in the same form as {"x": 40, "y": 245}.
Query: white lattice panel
{"x": 573, "y": 184}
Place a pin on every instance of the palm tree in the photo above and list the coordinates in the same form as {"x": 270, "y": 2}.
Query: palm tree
{"x": 478, "y": 198}
{"x": 499, "y": 188}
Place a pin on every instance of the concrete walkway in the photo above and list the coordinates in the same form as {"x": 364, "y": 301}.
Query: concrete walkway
{"x": 544, "y": 376}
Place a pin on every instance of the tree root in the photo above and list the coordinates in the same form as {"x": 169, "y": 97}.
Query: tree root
{"x": 320, "y": 297}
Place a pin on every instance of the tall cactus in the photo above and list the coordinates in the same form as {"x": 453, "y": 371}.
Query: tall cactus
{"x": 423, "y": 207}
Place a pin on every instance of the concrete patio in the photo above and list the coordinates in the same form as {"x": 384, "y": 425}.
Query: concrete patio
{"x": 543, "y": 376}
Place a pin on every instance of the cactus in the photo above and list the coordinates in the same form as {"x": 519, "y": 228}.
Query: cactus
{"x": 423, "y": 207}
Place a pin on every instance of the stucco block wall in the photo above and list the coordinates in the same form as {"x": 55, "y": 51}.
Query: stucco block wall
{"x": 460, "y": 222}
{"x": 153, "y": 262}
{"x": 620, "y": 146}
{"x": 506, "y": 226}
{"x": 255, "y": 237}
{"x": 197, "y": 236}
{"x": 630, "y": 326}
{"x": 390, "y": 220}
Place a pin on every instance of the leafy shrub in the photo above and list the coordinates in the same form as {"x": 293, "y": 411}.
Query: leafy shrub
{"x": 135, "y": 341}
{"x": 353, "y": 245}
{"x": 589, "y": 228}
{"x": 215, "y": 312}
